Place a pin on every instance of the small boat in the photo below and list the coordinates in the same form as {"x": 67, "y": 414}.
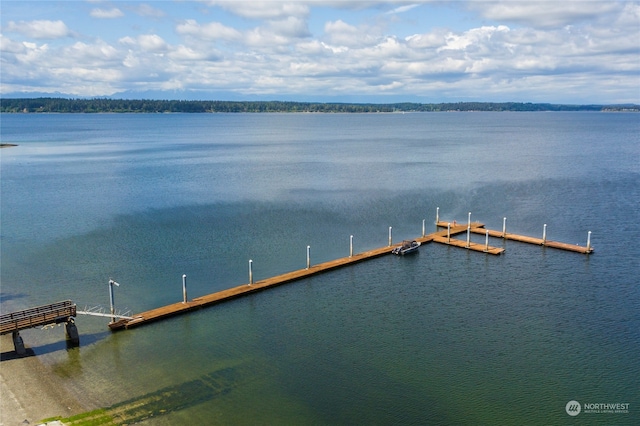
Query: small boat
{"x": 407, "y": 247}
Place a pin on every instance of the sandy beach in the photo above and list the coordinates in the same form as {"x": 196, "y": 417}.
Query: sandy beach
{"x": 30, "y": 391}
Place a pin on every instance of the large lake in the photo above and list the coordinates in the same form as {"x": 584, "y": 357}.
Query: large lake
{"x": 446, "y": 336}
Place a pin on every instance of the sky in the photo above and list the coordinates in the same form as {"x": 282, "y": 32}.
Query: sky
{"x": 561, "y": 51}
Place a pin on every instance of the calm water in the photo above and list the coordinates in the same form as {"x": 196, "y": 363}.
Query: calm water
{"x": 443, "y": 337}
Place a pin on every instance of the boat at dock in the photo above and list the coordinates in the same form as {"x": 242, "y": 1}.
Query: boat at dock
{"x": 407, "y": 247}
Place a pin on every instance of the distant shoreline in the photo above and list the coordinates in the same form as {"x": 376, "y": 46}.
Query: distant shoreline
{"x": 61, "y": 105}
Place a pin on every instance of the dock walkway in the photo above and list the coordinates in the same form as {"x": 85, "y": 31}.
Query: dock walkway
{"x": 442, "y": 237}
{"x": 54, "y": 313}
{"x": 533, "y": 240}
{"x": 40, "y": 316}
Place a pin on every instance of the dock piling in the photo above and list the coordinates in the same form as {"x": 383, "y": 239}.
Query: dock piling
{"x": 504, "y": 227}
{"x": 250, "y": 271}
{"x": 423, "y": 229}
{"x": 72, "y": 335}
{"x": 184, "y": 288}
{"x": 350, "y": 245}
{"x": 437, "y": 215}
{"x": 544, "y": 234}
{"x": 18, "y": 343}
{"x": 469, "y": 231}
{"x": 390, "y": 239}
{"x": 448, "y": 232}
{"x": 308, "y": 256}
{"x": 486, "y": 242}
{"x": 588, "y": 241}
{"x": 111, "y": 299}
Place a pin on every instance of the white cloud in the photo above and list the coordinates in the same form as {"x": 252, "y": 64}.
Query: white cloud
{"x": 264, "y": 9}
{"x": 184, "y": 53}
{"x": 339, "y": 33}
{"x": 40, "y": 29}
{"x": 340, "y": 49}
{"x": 106, "y": 14}
{"x": 210, "y": 31}
{"x": 402, "y": 9}
{"x": 545, "y": 14}
{"x": 152, "y": 43}
{"x": 9, "y": 46}
{"x": 474, "y": 37}
{"x": 290, "y": 27}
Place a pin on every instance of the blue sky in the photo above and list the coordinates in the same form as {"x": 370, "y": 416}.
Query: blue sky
{"x": 566, "y": 51}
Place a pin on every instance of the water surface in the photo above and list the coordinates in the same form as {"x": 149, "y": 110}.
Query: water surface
{"x": 443, "y": 337}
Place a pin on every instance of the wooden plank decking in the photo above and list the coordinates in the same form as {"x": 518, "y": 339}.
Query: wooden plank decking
{"x": 54, "y": 313}
{"x": 443, "y": 237}
{"x": 244, "y": 289}
{"x": 533, "y": 240}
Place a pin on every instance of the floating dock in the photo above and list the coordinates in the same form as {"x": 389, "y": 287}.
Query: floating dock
{"x": 442, "y": 237}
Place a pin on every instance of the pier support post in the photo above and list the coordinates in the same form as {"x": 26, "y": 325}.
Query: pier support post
{"x": 504, "y": 227}
{"x": 424, "y": 231}
{"x": 437, "y": 215}
{"x": 469, "y": 231}
{"x": 390, "y": 239}
{"x": 544, "y": 234}
{"x": 308, "y": 256}
{"x": 184, "y": 288}
{"x": 350, "y": 245}
{"x": 448, "y": 232}
{"x": 18, "y": 343}
{"x": 588, "y": 241}
{"x": 72, "y": 335}
{"x": 486, "y": 242}
{"x": 111, "y": 299}
{"x": 250, "y": 271}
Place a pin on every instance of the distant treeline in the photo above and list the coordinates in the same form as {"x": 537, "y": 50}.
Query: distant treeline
{"x": 61, "y": 105}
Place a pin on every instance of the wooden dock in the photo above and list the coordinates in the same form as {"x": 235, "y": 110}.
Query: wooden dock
{"x": 535, "y": 241}
{"x": 245, "y": 289}
{"x": 442, "y": 237}
{"x": 54, "y": 313}
{"x": 40, "y": 316}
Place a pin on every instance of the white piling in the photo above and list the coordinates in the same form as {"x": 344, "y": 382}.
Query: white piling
{"x": 390, "y": 239}
{"x": 486, "y": 242}
{"x": 423, "y": 228}
{"x": 448, "y": 232}
{"x": 437, "y": 215}
{"x": 504, "y": 227}
{"x": 469, "y": 231}
{"x": 111, "y": 299}
{"x": 350, "y": 245}
{"x": 589, "y": 240}
{"x": 250, "y": 271}
{"x": 308, "y": 256}
{"x": 184, "y": 288}
{"x": 544, "y": 234}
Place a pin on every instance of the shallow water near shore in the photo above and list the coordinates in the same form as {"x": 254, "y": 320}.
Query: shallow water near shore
{"x": 445, "y": 336}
